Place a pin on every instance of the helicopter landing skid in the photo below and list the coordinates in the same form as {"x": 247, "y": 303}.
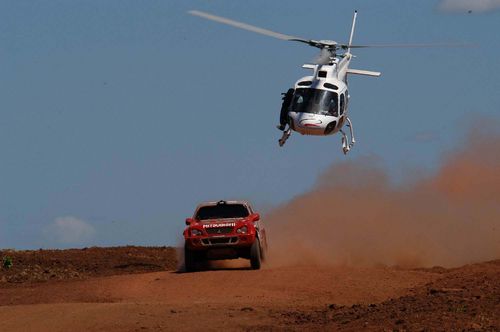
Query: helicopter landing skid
{"x": 346, "y": 144}
{"x": 286, "y": 134}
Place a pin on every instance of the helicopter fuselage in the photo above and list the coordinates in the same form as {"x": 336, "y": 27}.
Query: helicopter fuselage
{"x": 320, "y": 101}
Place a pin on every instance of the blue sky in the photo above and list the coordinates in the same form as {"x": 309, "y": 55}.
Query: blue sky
{"x": 118, "y": 117}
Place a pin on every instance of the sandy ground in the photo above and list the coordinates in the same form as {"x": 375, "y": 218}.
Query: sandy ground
{"x": 280, "y": 298}
{"x": 210, "y": 299}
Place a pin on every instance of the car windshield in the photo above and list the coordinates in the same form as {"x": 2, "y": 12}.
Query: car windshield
{"x": 222, "y": 211}
{"x": 314, "y": 101}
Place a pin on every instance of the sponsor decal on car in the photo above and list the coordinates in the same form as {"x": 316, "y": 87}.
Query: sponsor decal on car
{"x": 227, "y": 224}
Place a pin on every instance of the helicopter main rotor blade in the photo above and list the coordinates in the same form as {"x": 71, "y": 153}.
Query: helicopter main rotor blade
{"x": 247, "y": 27}
{"x": 409, "y": 45}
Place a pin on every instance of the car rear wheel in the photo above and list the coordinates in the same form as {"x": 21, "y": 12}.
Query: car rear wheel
{"x": 255, "y": 258}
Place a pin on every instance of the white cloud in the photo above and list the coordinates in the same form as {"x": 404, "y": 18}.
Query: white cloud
{"x": 69, "y": 230}
{"x": 469, "y": 5}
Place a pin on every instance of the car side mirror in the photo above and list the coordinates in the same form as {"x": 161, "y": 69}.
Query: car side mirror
{"x": 255, "y": 217}
{"x": 189, "y": 221}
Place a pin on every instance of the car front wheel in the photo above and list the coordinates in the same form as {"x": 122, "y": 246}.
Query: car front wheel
{"x": 255, "y": 258}
{"x": 190, "y": 260}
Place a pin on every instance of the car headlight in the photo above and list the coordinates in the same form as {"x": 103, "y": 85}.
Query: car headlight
{"x": 242, "y": 230}
{"x": 196, "y": 232}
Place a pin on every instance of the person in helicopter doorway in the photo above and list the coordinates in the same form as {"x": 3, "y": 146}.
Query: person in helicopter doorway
{"x": 332, "y": 108}
{"x": 287, "y": 99}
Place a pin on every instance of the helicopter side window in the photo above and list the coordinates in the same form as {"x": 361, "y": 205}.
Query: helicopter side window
{"x": 342, "y": 104}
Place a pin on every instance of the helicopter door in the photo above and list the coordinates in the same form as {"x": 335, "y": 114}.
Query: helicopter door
{"x": 342, "y": 104}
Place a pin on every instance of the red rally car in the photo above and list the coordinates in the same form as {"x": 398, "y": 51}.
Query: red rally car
{"x": 224, "y": 230}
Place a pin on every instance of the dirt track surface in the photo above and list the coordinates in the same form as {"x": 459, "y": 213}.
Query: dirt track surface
{"x": 47, "y": 265}
{"x": 278, "y": 298}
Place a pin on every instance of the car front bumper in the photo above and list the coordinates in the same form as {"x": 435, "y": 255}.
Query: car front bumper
{"x": 229, "y": 240}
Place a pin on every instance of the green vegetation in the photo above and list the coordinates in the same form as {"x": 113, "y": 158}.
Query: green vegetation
{"x": 7, "y": 262}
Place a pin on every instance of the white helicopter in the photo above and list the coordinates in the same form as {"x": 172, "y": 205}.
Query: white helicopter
{"x": 318, "y": 104}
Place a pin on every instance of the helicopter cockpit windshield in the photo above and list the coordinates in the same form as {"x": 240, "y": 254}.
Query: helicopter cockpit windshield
{"x": 308, "y": 100}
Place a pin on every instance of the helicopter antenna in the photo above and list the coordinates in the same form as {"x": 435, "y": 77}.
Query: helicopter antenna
{"x": 352, "y": 31}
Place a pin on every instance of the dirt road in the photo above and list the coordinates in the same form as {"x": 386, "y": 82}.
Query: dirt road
{"x": 236, "y": 298}
{"x": 229, "y": 298}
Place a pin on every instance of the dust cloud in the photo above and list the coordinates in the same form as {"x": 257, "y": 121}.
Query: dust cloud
{"x": 356, "y": 216}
